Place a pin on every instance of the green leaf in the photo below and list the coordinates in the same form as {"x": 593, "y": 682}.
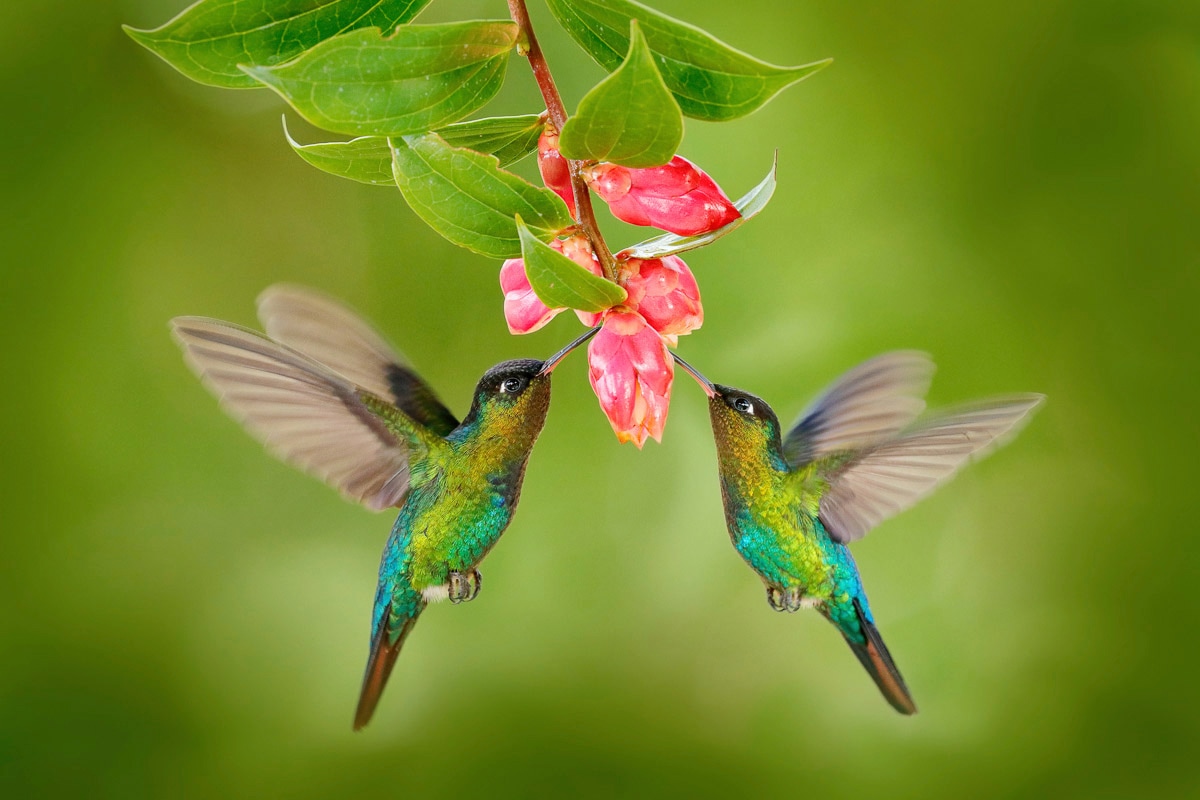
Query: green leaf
{"x": 507, "y": 138}
{"x": 669, "y": 244}
{"x": 467, "y": 198}
{"x": 561, "y": 283}
{"x": 368, "y": 159}
{"x": 208, "y": 40}
{"x": 417, "y": 79}
{"x": 710, "y": 79}
{"x": 629, "y": 118}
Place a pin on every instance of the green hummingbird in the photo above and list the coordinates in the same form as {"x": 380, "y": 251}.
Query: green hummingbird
{"x": 857, "y": 456}
{"x": 326, "y": 393}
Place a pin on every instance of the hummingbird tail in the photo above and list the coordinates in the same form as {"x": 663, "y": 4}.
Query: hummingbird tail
{"x": 878, "y": 662}
{"x": 379, "y": 667}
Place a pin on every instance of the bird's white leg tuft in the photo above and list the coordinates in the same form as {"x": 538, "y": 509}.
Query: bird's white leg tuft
{"x": 436, "y": 594}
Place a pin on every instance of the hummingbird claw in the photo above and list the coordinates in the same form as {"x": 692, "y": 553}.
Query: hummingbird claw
{"x": 790, "y": 599}
{"x": 775, "y": 598}
{"x": 464, "y": 587}
{"x": 794, "y": 600}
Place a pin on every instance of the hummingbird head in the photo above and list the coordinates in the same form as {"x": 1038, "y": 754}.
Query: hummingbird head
{"x": 517, "y": 390}
{"x": 742, "y": 422}
{"x": 515, "y": 395}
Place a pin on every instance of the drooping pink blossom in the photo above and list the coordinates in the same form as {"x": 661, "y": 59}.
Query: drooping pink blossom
{"x": 664, "y": 292}
{"x": 523, "y": 309}
{"x": 556, "y": 173}
{"x": 678, "y": 196}
{"x": 631, "y": 372}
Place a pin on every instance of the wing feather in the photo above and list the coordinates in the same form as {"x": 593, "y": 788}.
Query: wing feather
{"x": 870, "y": 403}
{"x": 890, "y": 477}
{"x": 306, "y": 414}
{"x": 329, "y": 332}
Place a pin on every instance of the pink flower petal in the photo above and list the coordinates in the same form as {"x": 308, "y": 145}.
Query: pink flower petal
{"x": 556, "y": 173}
{"x": 631, "y": 373}
{"x": 523, "y": 310}
{"x": 678, "y": 196}
{"x": 665, "y": 293}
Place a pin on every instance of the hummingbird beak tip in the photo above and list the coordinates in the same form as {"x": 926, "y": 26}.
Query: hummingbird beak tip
{"x": 709, "y": 388}
{"x": 549, "y": 364}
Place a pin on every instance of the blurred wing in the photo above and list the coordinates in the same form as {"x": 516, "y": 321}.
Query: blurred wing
{"x": 870, "y": 403}
{"x": 332, "y": 334}
{"x": 305, "y": 414}
{"x": 890, "y": 478}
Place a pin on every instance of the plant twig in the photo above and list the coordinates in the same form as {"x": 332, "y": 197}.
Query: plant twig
{"x": 558, "y": 116}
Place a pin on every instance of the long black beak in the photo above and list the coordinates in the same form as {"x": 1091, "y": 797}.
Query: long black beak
{"x": 704, "y": 382}
{"x": 550, "y": 363}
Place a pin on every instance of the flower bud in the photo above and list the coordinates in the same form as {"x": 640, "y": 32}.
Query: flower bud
{"x": 523, "y": 309}
{"x": 556, "y": 173}
{"x": 631, "y": 371}
{"x": 677, "y": 197}
{"x": 664, "y": 292}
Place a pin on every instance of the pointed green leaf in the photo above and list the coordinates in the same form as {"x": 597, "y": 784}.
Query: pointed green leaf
{"x": 208, "y": 40}
{"x": 417, "y": 79}
{"x": 368, "y": 159}
{"x": 561, "y": 283}
{"x": 629, "y": 118}
{"x": 670, "y": 244}
{"x": 468, "y": 199}
{"x": 507, "y": 138}
{"x": 710, "y": 79}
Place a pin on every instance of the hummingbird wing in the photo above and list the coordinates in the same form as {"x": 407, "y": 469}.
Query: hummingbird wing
{"x": 870, "y": 403}
{"x": 306, "y": 414}
{"x": 868, "y": 487}
{"x": 329, "y": 332}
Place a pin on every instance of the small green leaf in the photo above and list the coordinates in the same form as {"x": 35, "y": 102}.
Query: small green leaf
{"x": 629, "y": 118}
{"x": 710, "y": 79}
{"x": 208, "y": 40}
{"x": 507, "y": 138}
{"x": 417, "y": 79}
{"x": 368, "y": 159}
{"x": 561, "y": 283}
{"x": 670, "y": 244}
{"x": 468, "y": 199}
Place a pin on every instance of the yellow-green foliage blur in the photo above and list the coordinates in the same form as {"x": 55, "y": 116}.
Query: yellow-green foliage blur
{"x": 1013, "y": 187}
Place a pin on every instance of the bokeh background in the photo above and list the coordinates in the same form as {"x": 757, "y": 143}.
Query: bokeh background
{"x": 1014, "y": 187}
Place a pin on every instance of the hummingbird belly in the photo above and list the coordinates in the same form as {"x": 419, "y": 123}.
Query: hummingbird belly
{"x": 785, "y": 556}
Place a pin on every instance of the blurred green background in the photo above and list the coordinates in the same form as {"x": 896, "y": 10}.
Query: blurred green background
{"x": 1014, "y": 187}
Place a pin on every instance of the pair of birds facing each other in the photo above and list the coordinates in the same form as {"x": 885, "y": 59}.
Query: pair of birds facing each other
{"x": 326, "y": 393}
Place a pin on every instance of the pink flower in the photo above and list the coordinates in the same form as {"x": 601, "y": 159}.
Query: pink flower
{"x": 631, "y": 371}
{"x": 523, "y": 309}
{"x": 665, "y": 293}
{"x": 677, "y": 197}
{"x": 556, "y": 173}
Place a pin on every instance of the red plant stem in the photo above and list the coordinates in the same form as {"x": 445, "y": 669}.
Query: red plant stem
{"x": 558, "y": 116}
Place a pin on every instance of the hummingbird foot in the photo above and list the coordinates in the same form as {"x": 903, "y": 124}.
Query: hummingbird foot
{"x": 775, "y": 598}
{"x": 464, "y": 587}
{"x": 790, "y": 599}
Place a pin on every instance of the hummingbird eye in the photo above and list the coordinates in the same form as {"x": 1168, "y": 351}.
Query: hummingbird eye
{"x": 743, "y": 405}
{"x": 511, "y": 385}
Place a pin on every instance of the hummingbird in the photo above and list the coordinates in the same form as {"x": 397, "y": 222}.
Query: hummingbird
{"x": 326, "y": 393}
{"x": 858, "y": 455}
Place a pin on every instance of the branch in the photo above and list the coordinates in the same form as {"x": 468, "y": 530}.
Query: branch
{"x": 528, "y": 46}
